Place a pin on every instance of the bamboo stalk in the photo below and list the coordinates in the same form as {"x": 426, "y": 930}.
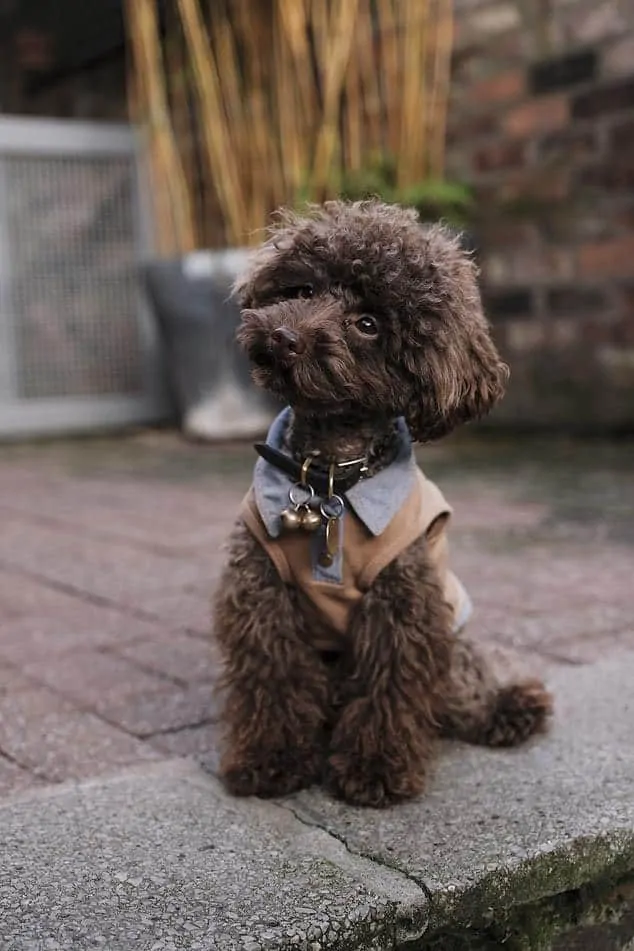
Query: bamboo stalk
{"x": 413, "y": 121}
{"x": 352, "y": 144}
{"x": 165, "y": 160}
{"x": 246, "y": 98}
{"x": 183, "y": 133}
{"x": 343, "y": 22}
{"x": 288, "y": 107}
{"x": 389, "y": 37}
{"x": 440, "y": 88}
{"x": 294, "y": 21}
{"x": 372, "y": 108}
{"x": 216, "y": 133}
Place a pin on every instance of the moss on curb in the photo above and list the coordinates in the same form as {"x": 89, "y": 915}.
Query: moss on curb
{"x": 595, "y": 859}
{"x": 601, "y": 912}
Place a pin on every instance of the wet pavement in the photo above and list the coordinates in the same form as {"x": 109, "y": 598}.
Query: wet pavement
{"x": 109, "y": 551}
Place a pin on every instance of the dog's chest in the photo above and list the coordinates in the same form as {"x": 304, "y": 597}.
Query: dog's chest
{"x": 333, "y": 590}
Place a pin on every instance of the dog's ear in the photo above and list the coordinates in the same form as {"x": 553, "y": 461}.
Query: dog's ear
{"x": 253, "y": 283}
{"x": 261, "y": 274}
{"x": 454, "y": 367}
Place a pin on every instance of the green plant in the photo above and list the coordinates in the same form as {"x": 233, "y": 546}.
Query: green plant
{"x": 432, "y": 198}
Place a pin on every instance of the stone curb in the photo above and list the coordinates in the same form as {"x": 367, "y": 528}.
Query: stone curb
{"x": 160, "y": 858}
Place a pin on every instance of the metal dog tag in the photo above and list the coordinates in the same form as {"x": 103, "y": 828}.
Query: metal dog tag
{"x": 328, "y": 556}
{"x": 332, "y": 510}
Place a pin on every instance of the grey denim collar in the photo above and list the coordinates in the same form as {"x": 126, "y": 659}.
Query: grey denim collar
{"x": 375, "y": 501}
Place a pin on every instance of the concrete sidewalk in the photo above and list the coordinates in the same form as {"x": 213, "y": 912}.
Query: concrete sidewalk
{"x": 500, "y": 848}
{"x": 108, "y": 553}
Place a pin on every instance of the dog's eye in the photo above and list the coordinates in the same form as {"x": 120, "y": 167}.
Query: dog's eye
{"x": 301, "y": 290}
{"x": 367, "y": 326}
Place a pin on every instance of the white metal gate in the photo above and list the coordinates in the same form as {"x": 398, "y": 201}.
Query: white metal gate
{"x": 77, "y": 345}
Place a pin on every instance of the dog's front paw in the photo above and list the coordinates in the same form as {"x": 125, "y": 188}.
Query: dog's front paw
{"x": 360, "y": 784}
{"x": 270, "y": 773}
{"x": 371, "y": 782}
{"x": 520, "y": 711}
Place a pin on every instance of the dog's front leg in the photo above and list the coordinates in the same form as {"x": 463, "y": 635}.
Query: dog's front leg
{"x": 273, "y": 689}
{"x": 383, "y": 742}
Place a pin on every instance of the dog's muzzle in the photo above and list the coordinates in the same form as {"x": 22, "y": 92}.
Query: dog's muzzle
{"x": 286, "y": 345}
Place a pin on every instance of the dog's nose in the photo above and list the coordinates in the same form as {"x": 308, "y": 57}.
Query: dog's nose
{"x": 287, "y": 342}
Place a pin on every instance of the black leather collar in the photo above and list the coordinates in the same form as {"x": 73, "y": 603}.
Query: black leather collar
{"x": 317, "y": 475}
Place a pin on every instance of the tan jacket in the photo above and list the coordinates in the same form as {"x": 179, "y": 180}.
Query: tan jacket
{"x": 363, "y": 556}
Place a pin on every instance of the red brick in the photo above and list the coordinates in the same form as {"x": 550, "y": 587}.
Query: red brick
{"x": 14, "y": 779}
{"x": 530, "y": 265}
{"x": 11, "y": 678}
{"x": 571, "y": 299}
{"x": 183, "y": 658}
{"x": 595, "y": 23}
{"x": 187, "y": 610}
{"x": 468, "y": 127}
{"x": 113, "y": 571}
{"x": 587, "y": 650}
{"x": 192, "y": 741}
{"x": 568, "y": 144}
{"x": 624, "y": 217}
{"x": 463, "y": 58}
{"x": 171, "y": 709}
{"x": 542, "y": 630}
{"x": 488, "y": 508}
{"x": 627, "y": 301}
{"x": 34, "y": 702}
{"x": 614, "y": 176}
{"x": 536, "y": 116}
{"x": 539, "y": 581}
{"x": 20, "y": 595}
{"x": 80, "y": 625}
{"x": 524, "y": 336}
{"x": 69, "y": 507}
{"x": 494, "y": 19}
{"x": 94, "y": 680}
{"x": 502, "y": 233}
{"x": 622, "y": 136}
{"x": 613, "y": 258}
{"x": 58, "y": 743}
{"x": 503, "y": 87}
{"x": 541, "y": 189}
{"x": 498, "y": 156}
{"x": 563, "y": 332}
{"x": 604, "y": 100}
{"x": 509, "y": 303}
{"x": 564, "y": 71}
{"x": 618, "y": 58}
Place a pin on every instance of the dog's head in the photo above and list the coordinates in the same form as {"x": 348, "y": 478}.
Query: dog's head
{"x": 357, "y": 308}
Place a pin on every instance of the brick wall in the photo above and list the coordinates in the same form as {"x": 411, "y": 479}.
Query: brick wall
{"x": 63, "y": 59}
{"x": 542, "y": 124}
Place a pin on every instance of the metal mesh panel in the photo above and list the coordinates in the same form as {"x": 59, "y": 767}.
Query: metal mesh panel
{"x": 72, "y": 291}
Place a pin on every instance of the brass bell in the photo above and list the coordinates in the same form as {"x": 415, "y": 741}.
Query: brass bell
{"x": 292, "y": 519}
{"x": 311, "y": 520}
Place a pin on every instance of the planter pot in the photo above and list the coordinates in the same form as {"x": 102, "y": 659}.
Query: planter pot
{"x": 197, "y": 322}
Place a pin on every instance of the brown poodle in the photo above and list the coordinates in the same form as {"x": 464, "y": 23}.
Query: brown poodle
{"x": 338, "y": 619}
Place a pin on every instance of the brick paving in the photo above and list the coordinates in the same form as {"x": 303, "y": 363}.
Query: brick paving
{"x": 109, "y": 551}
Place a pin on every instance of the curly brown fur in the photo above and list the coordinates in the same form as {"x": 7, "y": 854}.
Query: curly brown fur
{"x": 400, "y": 639}
{"x": 274, "y": 687}
{"x": 356, "y": 314}
{"x": 433, "y": 360}
{"x": 488, "y": 707}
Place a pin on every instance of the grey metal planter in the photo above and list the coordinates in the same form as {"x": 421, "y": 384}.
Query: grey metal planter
{"x": 197, "y": 323}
